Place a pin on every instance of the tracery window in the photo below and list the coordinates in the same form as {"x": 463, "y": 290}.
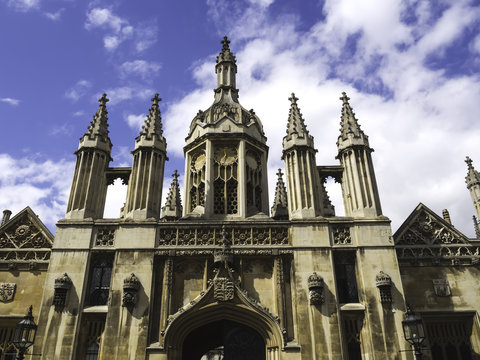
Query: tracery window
{"x": 225, "y": 200}
{"x": 7, "y": 349}
{"x": 449, "y": 335}
{"x": 254, "y": 180}
{"x": 91, "y": 337}
{"x": 197, "y": 180}
{"x": 100, "y": 276}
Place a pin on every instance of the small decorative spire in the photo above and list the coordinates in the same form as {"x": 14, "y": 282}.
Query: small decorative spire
{"x": 446, "y": 216}
{"x": 225, "y": 42}
{"x": 280, "y": 205}
{"x": 296, "y": 123}
{"x": 99, "y": 124}
{"x": 173, "y": 206}
{"x": 153, "y": 122}
{"x": 476, "y": 227}
{"x": 348, "y": 122}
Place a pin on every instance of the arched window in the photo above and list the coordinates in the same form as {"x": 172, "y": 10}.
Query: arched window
{"x": 100, "y": 276}
{"x": 254, "y": 181}
{"x": 197, "y": 180}
{"x": 225, "y": 185}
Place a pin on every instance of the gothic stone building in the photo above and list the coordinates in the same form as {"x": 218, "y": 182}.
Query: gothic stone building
{"x": 222, "y": 276}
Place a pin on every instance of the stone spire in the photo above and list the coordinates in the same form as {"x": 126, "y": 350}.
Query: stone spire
{"x": 99, "y": 125}
{"x": 348, "y": 122}
{"x": 153, "y": 122}
{"x": 473, "y": 185}
{"x": 359, "y": 186}
{"x": 280, "y": 205}
{"x": 173, "y": 207}
{"x": 304, "y": 195}
{"x": 89, "y": 186}
{"x": 144, "y": 193}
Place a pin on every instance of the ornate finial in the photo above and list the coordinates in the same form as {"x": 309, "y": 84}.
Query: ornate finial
{"x": 30, "y": 311}
{"x": 469, "y": 163}
{"x": 175, "y": 176}
{"x": 156, "y": 99}
{"x": 225, "y": 44}
{"x": 103, "y": 100}
{"x": 344, "y": 97}
{"x": 293, "y": 99}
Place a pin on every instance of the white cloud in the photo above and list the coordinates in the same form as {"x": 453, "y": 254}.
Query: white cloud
{"x": 420, "y": 122}
{"x": 117, "y": 29}
{"x": 11, "y": 101}
{"x": 23, "y": 5}
{"x": 79, "y": 113}
{"x": 124, "y": 93}
{"x": 54, "y": 16}
{"x": 144, "y": 69}
{"x": 135, "y": 121}
{"x": 78, "y": 90}
{"x": 40, "y": 184}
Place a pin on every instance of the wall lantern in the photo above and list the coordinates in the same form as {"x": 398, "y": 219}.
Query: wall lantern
{"x": 24, "y": 335}
{"x": 414, "y": 331}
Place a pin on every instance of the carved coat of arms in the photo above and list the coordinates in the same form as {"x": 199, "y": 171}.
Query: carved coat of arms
{"x": 223, "y": 289}
{"x": 7, "y": 291}
{"x": 441, "y": 287}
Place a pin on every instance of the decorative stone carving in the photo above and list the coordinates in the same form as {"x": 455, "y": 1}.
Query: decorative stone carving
{"x": 61, "y": 287}
{"x": 441, "y": 287}
{"x": 384, "y": 285}
{"x": 131, "y": 285}
{"x": 223, "y": 289}
{"x": 7, "y": 292}
{"x": 105, "y": 237}
{"x": 341, "y": 235}
{"x": 315, "y": 289}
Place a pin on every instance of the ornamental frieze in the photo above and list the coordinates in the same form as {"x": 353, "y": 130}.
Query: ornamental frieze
{"x": 238, "y": 236}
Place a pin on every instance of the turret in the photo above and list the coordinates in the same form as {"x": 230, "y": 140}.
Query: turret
{"x": 226, "y": 154}
{"x": 303, "y": 182}
{"x": 359, "y": 187}
{"x": 89, "y": 186}
{"x": 144, "y": 193}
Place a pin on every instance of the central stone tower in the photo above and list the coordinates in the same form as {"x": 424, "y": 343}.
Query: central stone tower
{"x": 226, "y": 154}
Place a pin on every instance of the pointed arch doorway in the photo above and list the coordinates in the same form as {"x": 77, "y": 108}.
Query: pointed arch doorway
{"x": 224, "y": 340}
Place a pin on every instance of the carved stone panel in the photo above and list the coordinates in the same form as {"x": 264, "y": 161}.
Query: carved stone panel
{"x": 341, "y": 235}
{"x": 441, "y": 287}
{"x": 223, "y": 289}
{"x": 105, "y": 237}
{"x": 7, "y": 292}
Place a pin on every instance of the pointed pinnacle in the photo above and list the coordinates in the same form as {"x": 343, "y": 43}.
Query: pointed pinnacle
{"x": 344, "y": 98}
{"x": 348, "y": 122}
{"x": 153, "y": 122}
{"x": 175, "y": 176}
{"x": 279, "y": 208}
{"x": 296, "y": 124}
{"x": 469, "y": 163}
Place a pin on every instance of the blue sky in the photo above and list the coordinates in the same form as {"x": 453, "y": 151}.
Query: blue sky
{"x": 411, "y": 69}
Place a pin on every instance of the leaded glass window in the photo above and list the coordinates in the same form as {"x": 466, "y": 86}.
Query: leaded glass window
{"x": 100, "y": 276}
{"x": 225, "y": 199}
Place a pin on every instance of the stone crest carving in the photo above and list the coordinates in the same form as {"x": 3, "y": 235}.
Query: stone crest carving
{"x": 61, "y": 287}
{"x": 315, "y": 289}
{"x": 7, "y": 292}
{"x": 223, "y": 289}
{"x": 384, "y": 285}
{"x": 441, "y": 287}
{"x": 131, "y": 286}
{"x": 341, "y": 235}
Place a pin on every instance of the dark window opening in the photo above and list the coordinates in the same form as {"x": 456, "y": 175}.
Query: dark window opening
{"x": 352, "y": 328}
{"x": 346, "y": 278}
{"x": 100, "y": 276}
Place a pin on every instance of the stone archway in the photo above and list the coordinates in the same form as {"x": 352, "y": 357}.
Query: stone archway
{"x": 224, "y": 339}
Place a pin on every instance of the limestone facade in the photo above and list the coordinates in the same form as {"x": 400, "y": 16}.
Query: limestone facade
{"x": 217, "y": 277}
